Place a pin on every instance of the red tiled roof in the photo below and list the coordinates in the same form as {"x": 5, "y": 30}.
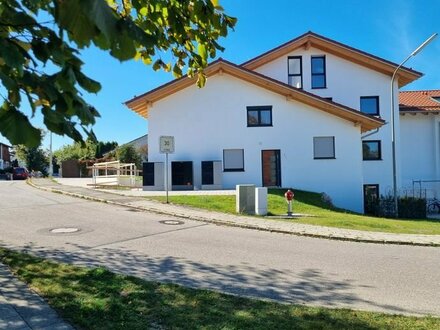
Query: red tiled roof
{"x": 419, "y": 101}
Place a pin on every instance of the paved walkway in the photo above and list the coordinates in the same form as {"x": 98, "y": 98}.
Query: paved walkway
{"x": 287, "y": 227}
{"x": 22, "y": 309}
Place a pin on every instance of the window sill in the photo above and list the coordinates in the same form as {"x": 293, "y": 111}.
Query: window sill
{"x": 371, "y": 114}
{"x": 324, "y": 157}
{"x": 234, "y": 170}
{"x": 372, "y": 159}
{"x": 260, "y": 125}
{"x": 319, "y": 87}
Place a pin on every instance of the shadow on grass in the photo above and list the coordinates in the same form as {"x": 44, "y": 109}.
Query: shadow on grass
{"x": 99, "y": 299}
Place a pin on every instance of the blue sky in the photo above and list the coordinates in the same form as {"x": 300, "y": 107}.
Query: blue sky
{"x": 387, "y": 28}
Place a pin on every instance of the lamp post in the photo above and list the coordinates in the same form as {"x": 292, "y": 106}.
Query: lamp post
{"x": 393, "y": 114}
{"x": 50, "y": 156}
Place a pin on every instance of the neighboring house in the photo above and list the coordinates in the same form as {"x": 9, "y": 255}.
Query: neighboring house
{"x": 140, "y": 144}
{"x": 420, "y": 141}
{"x": 5, "y": 156}
{"x": 311, "y": 114}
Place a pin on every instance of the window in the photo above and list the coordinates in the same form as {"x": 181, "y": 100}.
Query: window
{"x": 259, "y": 116}
{"x": 436, "y": 98}
{"x": 318, "y": 72}
{"x": 207, "y": 172}
{"x": 371, "y": 150}
{"x": 370, "y": 105}
{"x": 324, "y": 147}
{"x": 233, "y": 160}
{"x": 294, "y": 70}
{"x": 148, "y": 174}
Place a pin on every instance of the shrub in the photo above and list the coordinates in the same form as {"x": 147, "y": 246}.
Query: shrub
{"x": 412, "y": 208}
{"x": 409, "y": 207}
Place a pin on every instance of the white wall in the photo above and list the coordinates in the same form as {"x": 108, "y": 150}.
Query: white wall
{"x": 346, "y": 83}
{"x": 420, "y": 150}
{"x": 206, "y": 121}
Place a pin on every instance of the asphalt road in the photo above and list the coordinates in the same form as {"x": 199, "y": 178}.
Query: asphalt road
{"x": 389, "y": 278}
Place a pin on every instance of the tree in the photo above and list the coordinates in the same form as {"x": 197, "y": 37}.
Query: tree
{"x": 104, "y": 147}
{"x": 128, "y": 154}
{"x": 35, "y": 158}
{"x": 77, "y": 150}
{"x": 127, "y": 29}
{"x": 82, "y": 151}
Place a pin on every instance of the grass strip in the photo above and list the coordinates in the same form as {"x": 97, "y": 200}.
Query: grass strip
{"x": 323, "y": 213}
{"x": 95, "y": 298}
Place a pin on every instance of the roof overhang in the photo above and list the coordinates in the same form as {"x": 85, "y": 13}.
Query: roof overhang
{"x": 419, "y": 110}
{"x": 142, "y": 103}
{"x": 310, "y": 39}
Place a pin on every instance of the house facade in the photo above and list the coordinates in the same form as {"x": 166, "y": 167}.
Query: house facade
{"x": 5, "y": 157}
{"x": 311, "y": 114}
{"x": 420, "y": 131}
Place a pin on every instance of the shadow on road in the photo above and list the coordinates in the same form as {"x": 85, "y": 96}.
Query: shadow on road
{"x": 309, "y": 286}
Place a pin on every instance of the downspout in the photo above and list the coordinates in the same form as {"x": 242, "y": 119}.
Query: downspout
{"x": 371, "y": 133}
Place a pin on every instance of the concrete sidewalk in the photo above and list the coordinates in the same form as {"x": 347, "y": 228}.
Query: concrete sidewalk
{"x": 22, "y": 309}
{"x": 286, "y": 227}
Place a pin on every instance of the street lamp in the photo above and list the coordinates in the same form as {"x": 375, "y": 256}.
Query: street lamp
{"x": 393, "y": 131}
{"x": 50, "y": 156}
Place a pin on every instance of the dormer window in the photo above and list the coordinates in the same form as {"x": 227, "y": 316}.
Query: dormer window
{"x": 436, "y": 98}
{"x": 318, "y": 72}
{"x": 294, "y": 70}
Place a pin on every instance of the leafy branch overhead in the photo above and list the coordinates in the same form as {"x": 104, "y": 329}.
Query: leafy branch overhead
{"x": 40, "y": 63}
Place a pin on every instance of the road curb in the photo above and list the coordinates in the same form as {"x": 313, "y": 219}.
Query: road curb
{"x": 234, "y": 224}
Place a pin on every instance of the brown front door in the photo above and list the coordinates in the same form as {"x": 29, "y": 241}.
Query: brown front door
{"x": 271, "y": 167}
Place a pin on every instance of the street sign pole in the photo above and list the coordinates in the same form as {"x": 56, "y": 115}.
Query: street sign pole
{"x": 166, "y": 176}
{"x": 166, "y": 146}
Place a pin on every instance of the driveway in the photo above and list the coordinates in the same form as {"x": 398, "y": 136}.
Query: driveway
{"x": 389, "y": 278}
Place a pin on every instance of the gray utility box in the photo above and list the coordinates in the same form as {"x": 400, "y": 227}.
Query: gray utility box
{"x": 261, "y": 201}
{"x": 153, "y": 176}
{"x": 245, "y": 198}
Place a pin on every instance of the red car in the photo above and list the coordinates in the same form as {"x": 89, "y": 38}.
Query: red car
{"x": 19, "y": 173}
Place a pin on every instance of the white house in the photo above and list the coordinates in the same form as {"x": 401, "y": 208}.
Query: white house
{"x": 420, "y": 141}
{"x": 311, "y": 114}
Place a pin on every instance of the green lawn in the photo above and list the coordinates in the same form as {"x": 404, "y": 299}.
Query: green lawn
{"x": 323, "y": 214}
{"x": 95, "y": 298}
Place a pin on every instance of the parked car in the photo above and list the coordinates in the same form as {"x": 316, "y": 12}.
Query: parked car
{"x": 20, "y": 173}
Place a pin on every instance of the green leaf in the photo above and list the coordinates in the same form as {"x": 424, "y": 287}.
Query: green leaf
{"x": 201, "y": 48}
{"x": 201, "y": 79}
{"x": 15, "y": 126}
{"x": 71, "y": 16}
{"x": 7, "y": 81}
{"x": 90, "y": 85}
{"x": 102, "y": 16}
{"x": 123, "y": 47}
{"x": 11, "y": 55}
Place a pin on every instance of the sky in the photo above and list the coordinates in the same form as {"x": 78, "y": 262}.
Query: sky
{"x": 390, "y": 29}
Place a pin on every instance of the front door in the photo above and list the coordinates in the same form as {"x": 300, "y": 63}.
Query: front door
{"x": 371, "y": 198}
{"x": 271, "y": 168}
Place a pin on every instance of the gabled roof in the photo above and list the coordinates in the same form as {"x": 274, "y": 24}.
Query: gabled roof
{"x": 420, "y": 101}
{"x": 311, "y": 39}
{"x": 141, "y": 103}
{"x": 5, "y": 145}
